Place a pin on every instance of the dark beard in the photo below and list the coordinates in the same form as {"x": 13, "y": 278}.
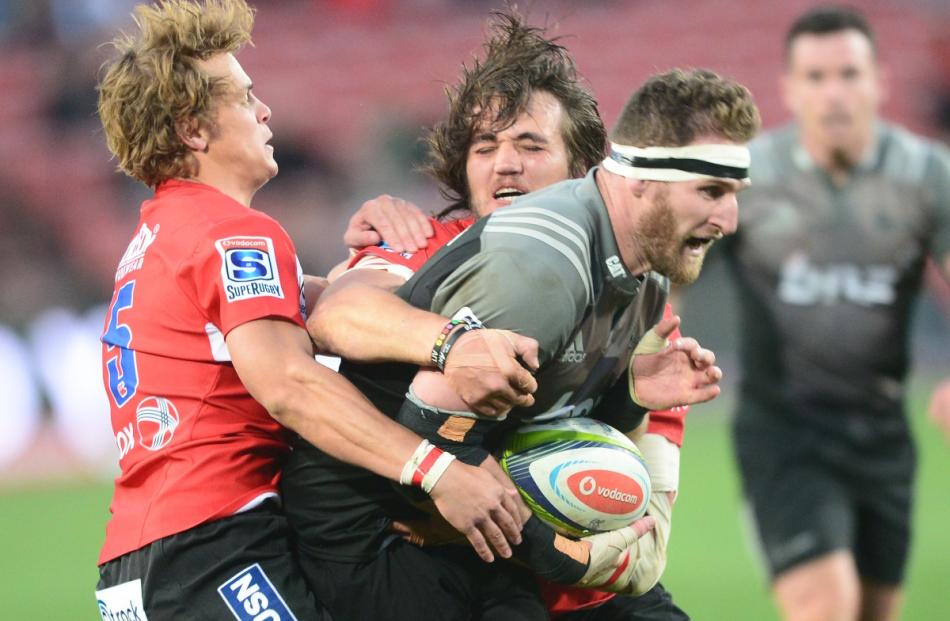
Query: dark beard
{"x": 661, "y": 245}
{"x": 841, "y": 160}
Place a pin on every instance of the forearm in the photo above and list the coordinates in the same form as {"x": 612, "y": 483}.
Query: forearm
{"x": 327, "y": 411}
{"x": 364, "y": 323}
{"x": 274, "y": 360}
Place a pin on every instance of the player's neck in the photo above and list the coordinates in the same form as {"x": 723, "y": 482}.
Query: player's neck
{"x": 623, "y": 219}
{"x": 226, "y": 183}
{"x": 838, "y": 161}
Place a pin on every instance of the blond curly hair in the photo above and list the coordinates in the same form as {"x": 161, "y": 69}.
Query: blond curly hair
{"x": 155, "y": 82}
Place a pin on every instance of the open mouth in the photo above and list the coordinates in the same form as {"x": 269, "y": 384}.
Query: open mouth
{"x": 699, "y": 244}
{"x": 507, "y": 194}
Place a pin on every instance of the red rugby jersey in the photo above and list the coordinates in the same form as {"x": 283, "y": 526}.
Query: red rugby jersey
{"x": 405, "y": 264}
{"x": 194, "y": 446}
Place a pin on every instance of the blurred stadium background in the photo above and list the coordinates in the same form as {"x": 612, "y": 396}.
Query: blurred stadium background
{"x": 351, "y": 84}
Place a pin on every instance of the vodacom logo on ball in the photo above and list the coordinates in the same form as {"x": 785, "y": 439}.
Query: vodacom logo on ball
{"x": 606, "y": 491}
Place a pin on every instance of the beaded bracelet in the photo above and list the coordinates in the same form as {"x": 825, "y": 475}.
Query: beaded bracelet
{"x": 446, "y": 339}
{"x": 440, "y": 340}
{"x": 452, "y": 338}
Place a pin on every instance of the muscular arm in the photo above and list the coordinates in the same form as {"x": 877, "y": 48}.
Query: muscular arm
{"x": 274, "y": 360}
{"x": 359, "y": 318}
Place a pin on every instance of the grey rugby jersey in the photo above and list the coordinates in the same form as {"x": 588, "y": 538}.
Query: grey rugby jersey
{"x": 548, "y": 267}
{"x": 827, "y": 274}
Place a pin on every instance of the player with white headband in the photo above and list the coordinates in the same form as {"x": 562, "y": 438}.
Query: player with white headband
{"x": 585, "y": 260}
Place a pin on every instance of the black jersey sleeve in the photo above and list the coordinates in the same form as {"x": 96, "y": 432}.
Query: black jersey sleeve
{"x": 618, "y": 410}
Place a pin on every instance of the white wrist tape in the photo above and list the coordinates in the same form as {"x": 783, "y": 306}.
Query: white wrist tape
{"x": 650, "y": 343}
{"x": 644, "y": 559}
{"x": 408, "y": 470}
{"x": 436, "y": 471}
{"x": 663, "y": 462}
{"x": 425, "y": 467}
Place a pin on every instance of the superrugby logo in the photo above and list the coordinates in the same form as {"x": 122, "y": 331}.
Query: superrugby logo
{"x": 405, "y": 255}
{"x": 156, "y": 419}
{"x": 248, "y": 268}
{"x": 606, "y": 491}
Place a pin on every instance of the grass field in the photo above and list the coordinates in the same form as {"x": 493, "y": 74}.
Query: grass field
{"x": 49, "y": 538}
{"x": 713, "y": 571}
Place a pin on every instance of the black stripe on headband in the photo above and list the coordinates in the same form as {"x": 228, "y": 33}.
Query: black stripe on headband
{"x": 700, "y": 167}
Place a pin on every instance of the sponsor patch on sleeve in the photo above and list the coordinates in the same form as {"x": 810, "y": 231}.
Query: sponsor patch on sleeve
{"x": 122, "y": 602}
{"x": 249, "y": 268}
{"x": 250, "y": 595}
{"x": 467, "y": 314}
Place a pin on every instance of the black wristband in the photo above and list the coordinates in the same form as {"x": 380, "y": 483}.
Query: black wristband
{"x": 538, "y": 552}
{"x": 461, "y": 329}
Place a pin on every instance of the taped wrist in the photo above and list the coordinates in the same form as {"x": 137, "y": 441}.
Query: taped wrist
{"x": 539, "y": 551}
{"x": 425, "y": 467}
{"x": 663, "y": 462}
{"x": 651, "y": 561}
{"x": 651, "y": 343}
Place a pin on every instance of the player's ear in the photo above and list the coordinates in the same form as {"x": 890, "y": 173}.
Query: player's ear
{"x": 192, "y": 135}
{"x": 638, "y": 187}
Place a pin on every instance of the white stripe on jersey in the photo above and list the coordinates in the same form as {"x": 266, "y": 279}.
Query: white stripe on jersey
{"x": 568, "y": 253}
{"x": 537, "y": 217}
{"x": 219, "y": 349}
{"x": 580, "y": 241}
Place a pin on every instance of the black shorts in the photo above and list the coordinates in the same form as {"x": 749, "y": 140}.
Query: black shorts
{"x": 654, "y": 605}
{"x": 844, "y": 483}
{"x": 403, "y": 582}
{"x": 239, "y": 567}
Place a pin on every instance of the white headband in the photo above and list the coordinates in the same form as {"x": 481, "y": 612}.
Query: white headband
{"x": 701, "y": 161}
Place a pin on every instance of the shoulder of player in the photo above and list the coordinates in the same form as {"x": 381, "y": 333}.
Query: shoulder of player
{"x": 551, "y": 231}
{"x": 910, "y": 158}
{"x": 513, "y": 280}
{"x": 211, "y": 234}
{"x": 559, "y": 213}
{"x": 249, "y": 222}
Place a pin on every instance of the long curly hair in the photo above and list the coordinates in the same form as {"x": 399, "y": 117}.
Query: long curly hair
{"x": 518, "y": 60}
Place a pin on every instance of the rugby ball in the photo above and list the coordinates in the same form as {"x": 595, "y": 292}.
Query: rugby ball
{"x": 579, "y": 475}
